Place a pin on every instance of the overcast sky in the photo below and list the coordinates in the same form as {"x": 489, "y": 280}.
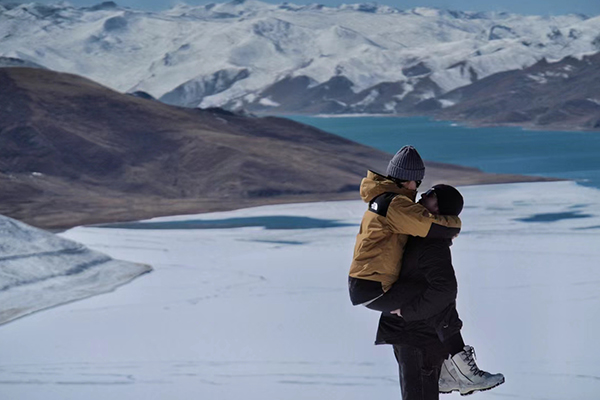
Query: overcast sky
{"x": 538, "y": 7}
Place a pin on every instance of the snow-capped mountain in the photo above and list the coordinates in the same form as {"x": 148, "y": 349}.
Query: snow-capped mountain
{"x": 560, "y": 95}
{"x": 352, "y": 58}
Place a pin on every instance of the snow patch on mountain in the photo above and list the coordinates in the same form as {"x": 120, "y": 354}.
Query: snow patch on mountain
{"x": 595, "y": 101}
{"x": 447, "y": 103}
{"x": 371, "y": 97}
{"x": 268, "y": 102}
{"x": 192, "y": 92}
{"x": 17, "y": 62}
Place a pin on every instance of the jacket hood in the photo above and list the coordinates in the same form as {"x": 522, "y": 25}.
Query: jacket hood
{"x": 375, "y": 184}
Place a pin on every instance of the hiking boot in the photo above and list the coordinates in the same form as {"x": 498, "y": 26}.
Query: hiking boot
{"x": 448, "y": 382}
{"x": 470, "y": 378}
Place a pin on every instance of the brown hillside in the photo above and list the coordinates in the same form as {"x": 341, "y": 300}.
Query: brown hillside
{"x": 74, "y": 152}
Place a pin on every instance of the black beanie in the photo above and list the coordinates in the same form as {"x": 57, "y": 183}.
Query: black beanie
{"x": 450, "y": 201}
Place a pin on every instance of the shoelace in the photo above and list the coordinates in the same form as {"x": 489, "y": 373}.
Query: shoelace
{"x": 470, "y": 360}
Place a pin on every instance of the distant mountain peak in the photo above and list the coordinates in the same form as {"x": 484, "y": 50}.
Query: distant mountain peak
{"x": 105, "y": 5}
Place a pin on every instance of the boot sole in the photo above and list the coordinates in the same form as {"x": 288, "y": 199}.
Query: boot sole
{"x": 472, "y": 391}
{"x": 448, "y": 391}
{"x": 480, "y": 390}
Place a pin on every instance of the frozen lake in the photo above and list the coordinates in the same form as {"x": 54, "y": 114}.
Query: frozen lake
{"x": 247, "y": 312}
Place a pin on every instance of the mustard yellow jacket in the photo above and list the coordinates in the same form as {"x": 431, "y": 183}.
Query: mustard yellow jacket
{"x": 392, "y": 216}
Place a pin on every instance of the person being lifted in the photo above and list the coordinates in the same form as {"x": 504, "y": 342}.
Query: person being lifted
{"x": 391, "y": 218}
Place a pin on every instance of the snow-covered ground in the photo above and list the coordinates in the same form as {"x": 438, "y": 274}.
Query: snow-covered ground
{"x": 254, "y": 313}
{"x": 40, "y": 270}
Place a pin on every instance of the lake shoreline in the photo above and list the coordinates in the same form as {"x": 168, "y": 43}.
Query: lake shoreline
{"x": 570, "y": 155}
{"x": 460, "y": 122}
{"x": 438, "y": 173}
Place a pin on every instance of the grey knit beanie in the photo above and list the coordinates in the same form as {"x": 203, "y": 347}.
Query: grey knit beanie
{"x": 406, "y": 165}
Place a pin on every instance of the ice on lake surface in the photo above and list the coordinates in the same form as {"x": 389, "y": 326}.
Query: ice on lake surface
{"x": 254, "y": 313}
{"x": 266, "y": 221}
{"x": 553, "y": 217}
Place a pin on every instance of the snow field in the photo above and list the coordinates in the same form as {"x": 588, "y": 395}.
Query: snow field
{"x": 257, "y": 313}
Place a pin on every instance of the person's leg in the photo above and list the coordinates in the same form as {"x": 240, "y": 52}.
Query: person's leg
{"x": 418, "y": 378}
{"x": 454, "y": 344}
{"x": 460, "y": 372}
{"x": 447, "y": 325}
{"x": 432, "y": 365}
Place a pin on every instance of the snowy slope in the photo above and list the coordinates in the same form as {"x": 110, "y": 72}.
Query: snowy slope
{"x": 15, "y": 62}
{"x": 228, "y": 53}
{"x": 253, "y": 313}
{"x": 39, "y": 270}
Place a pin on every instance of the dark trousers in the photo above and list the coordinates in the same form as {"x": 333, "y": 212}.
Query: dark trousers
{"x": 419, "y": 372}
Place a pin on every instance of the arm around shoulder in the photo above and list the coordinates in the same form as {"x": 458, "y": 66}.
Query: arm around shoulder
{"x": 409, "y": 218}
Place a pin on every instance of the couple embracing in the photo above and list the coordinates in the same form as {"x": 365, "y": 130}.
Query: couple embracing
{"x": 402, "y": 267}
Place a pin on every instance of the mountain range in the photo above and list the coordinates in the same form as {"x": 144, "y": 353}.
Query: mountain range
{"x": 559, "y": 95}
{"x": 286, "y": 58}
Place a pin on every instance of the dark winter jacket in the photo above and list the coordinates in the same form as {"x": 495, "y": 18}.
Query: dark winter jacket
{"x": 392, "y": 216}
{"x": 426, "y": 295}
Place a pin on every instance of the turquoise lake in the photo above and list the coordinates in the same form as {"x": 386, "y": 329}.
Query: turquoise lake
{"x": 569, "y": 155}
